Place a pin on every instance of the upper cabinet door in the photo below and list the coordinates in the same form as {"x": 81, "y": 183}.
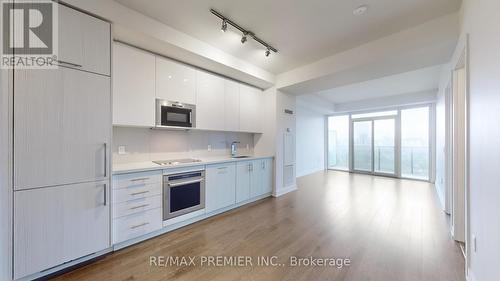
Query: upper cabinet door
{"x": 209, "y": 101}
{"x": 175, "y": 81}
{"x": 232, "y": 106}
{"x": 84, "y": 41}
{"x": 250, "y": 102}
{"x": 62, "y": 127}
{"x": 133, "y": 87}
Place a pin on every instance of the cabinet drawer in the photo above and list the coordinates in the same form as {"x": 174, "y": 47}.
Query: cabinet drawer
{"x": 133, "y": 226}
{"x": 135, "y": 192}
{"x": 136, "y": 206}
{"x": 137, "y": 179}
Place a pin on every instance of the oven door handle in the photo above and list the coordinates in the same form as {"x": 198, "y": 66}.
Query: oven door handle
{"x": 184, "y": 183}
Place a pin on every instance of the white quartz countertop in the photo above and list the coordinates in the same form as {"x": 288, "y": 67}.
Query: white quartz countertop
{"x": 124, "y": 168}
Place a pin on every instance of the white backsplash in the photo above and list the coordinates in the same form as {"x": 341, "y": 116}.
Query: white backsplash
{"x": 143, "y": 144}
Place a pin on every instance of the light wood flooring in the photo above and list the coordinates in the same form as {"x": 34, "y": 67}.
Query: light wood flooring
{"x": 390, "y": 229}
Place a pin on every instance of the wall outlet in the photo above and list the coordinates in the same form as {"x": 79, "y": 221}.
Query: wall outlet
{"x": 209, "y": 147}
{"x": 121, "y": 150}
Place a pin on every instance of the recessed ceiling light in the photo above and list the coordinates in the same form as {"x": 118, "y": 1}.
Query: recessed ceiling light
{"x": 361, "y": 10}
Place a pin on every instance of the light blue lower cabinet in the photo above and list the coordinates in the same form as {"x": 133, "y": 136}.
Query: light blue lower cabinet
{"x": 220, "y": 186}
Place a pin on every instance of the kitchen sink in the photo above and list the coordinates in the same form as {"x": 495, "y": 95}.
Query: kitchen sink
{"x": 241, "y": 156}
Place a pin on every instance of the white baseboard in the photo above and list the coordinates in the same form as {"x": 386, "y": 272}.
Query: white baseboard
{"x": 284, "y": 191}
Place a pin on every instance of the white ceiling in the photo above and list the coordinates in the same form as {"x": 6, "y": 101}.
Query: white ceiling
{"x": 303, "y": 31}
{"x": 420, "y": 80}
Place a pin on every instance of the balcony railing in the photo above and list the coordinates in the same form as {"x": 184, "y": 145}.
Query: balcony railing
{"x": 414, "y": 159}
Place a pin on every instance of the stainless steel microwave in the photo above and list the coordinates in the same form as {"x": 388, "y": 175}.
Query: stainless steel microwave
{"x": 175, "y": 114}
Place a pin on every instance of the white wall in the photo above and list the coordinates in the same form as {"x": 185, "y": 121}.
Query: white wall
{"x": 144, "y": 144}
{"x": 481, "y": 21}
{"x": 424, "y": 97}
{"x": 440, "y": 145}
{"x": 284, "y": 122}
{"x": 310, "y": 141}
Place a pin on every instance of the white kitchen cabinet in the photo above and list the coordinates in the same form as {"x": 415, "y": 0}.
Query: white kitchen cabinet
{"x": 62, "y": 127}
{"x": 136, "y": 225}
{"x": 250, "y": 105}
{"x": 261, "y": 179}
{"x": 231, "y": 106}
{"x": 243, "y": 175}
{"x": 133, "y": 87}
{"x": 58, "y": 224}
{"x": 267, "y": 175}
{"x": 220, "y": 188}
{"x": 175, "y": 81}
{"x": 137, "y": 204}
{"x": 256, "y": 178}
{"x": 210, "y": 105}
{"x": 84, "y": 41}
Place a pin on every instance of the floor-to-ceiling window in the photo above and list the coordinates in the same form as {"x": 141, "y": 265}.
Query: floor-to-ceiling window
{"x": 415, "y": 143}
{"x": 338, "y": 142}
{"x": 394, "y": 143}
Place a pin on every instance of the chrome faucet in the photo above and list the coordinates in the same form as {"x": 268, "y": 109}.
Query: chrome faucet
{"x": 234, "y": 148}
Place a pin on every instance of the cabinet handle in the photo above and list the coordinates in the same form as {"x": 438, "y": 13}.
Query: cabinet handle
{"x": 68, "y": 63}
{"x": 105, "y": 160}
{"x": 222, "y": 168}
{"x": 105, "y": 195}
{"x": 139, "y": 193}
{"x": 141, "y": 179}
{"x": 139, "y": 225}
{"x": 263, "y": 165}
{"x": 137, "y": 207}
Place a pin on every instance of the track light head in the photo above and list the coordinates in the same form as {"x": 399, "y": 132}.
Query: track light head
{"x": 244, "y": 38}
{"x": 268, "y": 52}
{"x": 224, "y": 26}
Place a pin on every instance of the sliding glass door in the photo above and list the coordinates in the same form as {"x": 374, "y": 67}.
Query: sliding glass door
{"x": 338, "y": 142}
{"x": 384, "y": 139}
{"x": 374, "y": 145}
{"x": 362, "y": 146}
{"x": 415, "y": 152}
{"x": 392, "y": 143}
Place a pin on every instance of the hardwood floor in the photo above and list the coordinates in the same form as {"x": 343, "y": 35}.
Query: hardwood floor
{"x": 389, "y": 229}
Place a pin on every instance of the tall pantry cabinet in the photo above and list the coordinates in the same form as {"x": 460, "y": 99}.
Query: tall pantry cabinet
{"x": 62, "y": 140}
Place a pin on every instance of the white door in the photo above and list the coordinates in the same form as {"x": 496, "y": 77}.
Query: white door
{"x": 55, "y": 225}
{"x": 62, "y": 127}
{"x": 175, "y": 81}
{"x": 243, "y": 173}
{"x": 232, "y": 106}
{"x": 133, "y": 87}
{"x": 210, "y": 104}
{"x": 84, "y": 41}
{"x": 220, "y": 186}
{"x": 250, "y": 104}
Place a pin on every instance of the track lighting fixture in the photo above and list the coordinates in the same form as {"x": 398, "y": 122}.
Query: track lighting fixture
{"x": 224, "y": 25}
{"x": 246, "y": 33}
